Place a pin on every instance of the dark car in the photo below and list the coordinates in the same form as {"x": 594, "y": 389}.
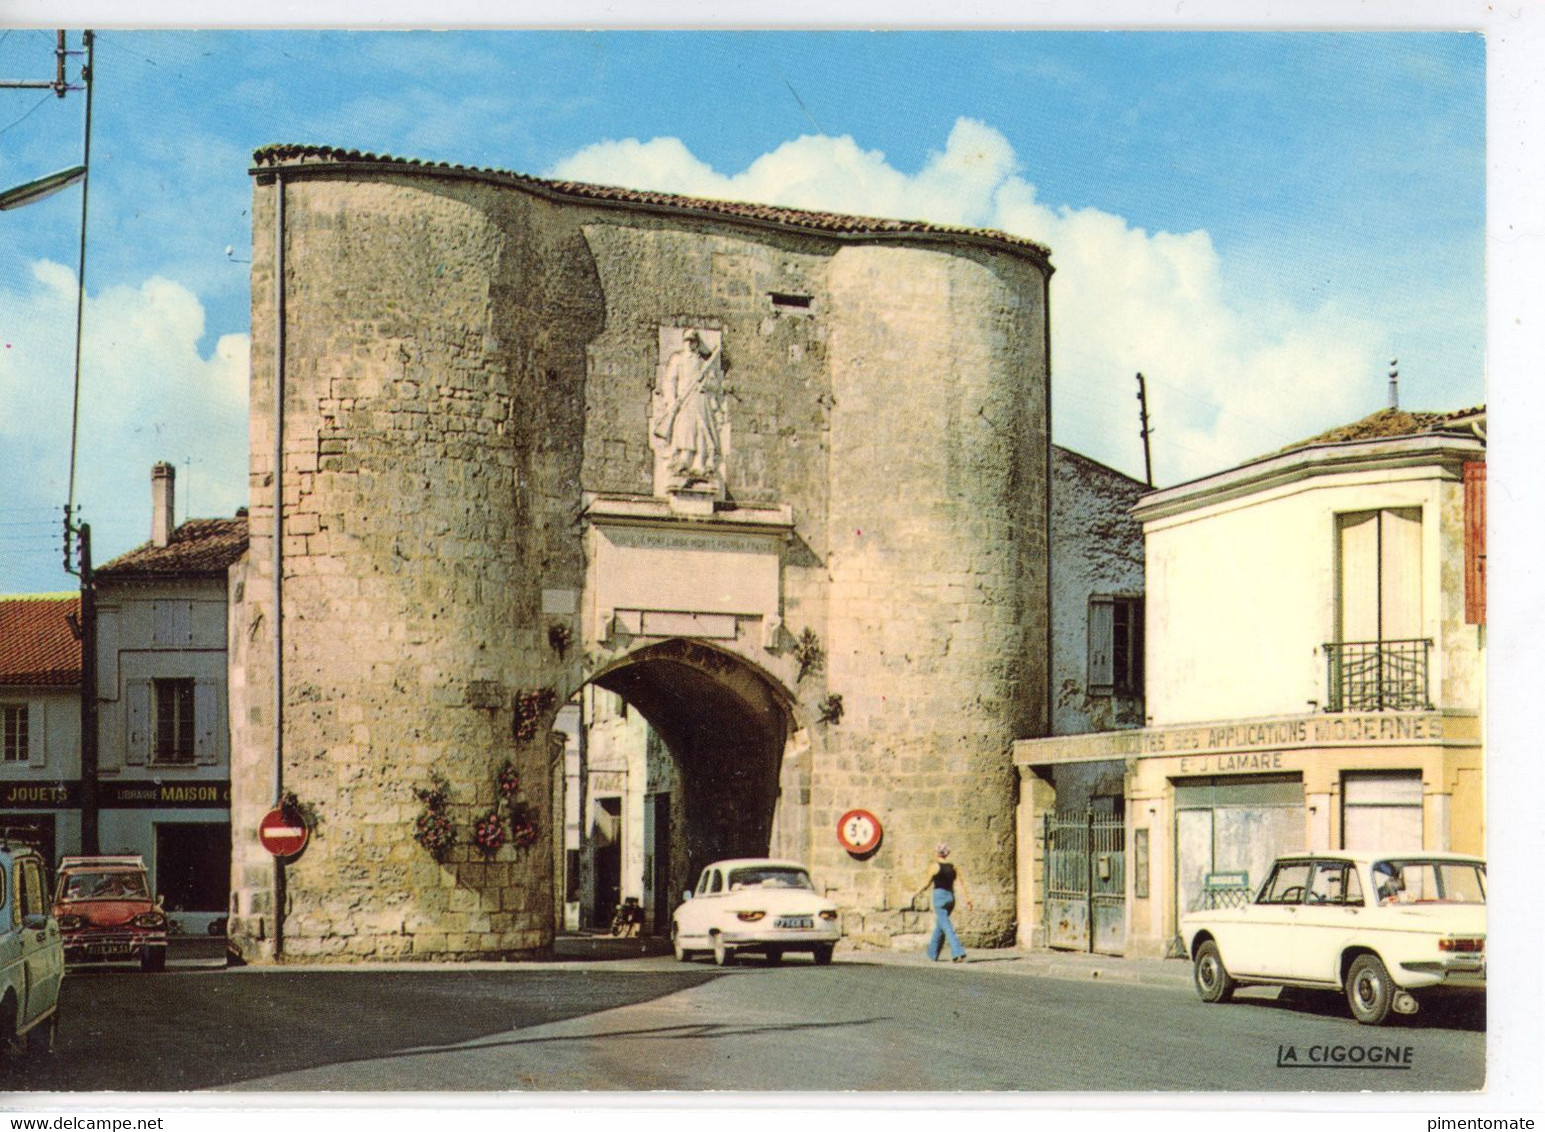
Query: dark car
{"x": 106, "y": 912}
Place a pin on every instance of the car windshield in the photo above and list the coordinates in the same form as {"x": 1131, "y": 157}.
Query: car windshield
{"x": 770, "y": 876}
{"x": 1429, "y": 882}
{"x": 105, "y": 886}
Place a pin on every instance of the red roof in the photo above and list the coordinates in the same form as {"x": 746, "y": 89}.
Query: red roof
{"x": 37, "y": 648}
{"x": 828, "y": 223}
{"x": 198, "y": 547}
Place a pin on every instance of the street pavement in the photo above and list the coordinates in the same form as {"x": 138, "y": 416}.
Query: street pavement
{"x": 873, "y": 1020}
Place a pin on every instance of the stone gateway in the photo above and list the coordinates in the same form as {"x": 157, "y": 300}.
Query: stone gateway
{"x": 778, "y": 479}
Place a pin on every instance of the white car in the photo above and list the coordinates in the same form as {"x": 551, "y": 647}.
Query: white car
{"x": 755, "y": 904}
{"x": 1375, "y": 926}
{"x": 31, "y": 954}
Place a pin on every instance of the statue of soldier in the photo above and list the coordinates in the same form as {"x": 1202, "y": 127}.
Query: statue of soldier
{"x": 684, "y": 424}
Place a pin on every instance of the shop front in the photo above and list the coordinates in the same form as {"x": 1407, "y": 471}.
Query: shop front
{"x": 1213, "y": 804}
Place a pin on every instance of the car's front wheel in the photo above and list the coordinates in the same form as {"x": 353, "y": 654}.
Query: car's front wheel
{"x": 681, "y": 953}
{"x": 153, "y": 959}
{"x": 774, "y": 956}
{"x": 1370, "y": 993}
{"x": 1213, "y": 982}
{"x": 721, "y": 954}
{"x": 823, "y": 954}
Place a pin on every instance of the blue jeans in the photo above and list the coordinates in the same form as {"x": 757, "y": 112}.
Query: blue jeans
{"x": 943, "y": 905}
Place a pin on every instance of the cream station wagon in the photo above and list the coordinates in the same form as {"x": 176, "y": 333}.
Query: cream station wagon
{"x": 1375, "y": 926}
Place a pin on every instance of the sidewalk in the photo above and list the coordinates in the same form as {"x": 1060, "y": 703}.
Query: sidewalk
{"x": 649, "y": 954}
{"x": 1044, "y": 964}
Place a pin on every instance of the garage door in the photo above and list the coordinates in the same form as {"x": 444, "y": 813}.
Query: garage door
{"x": 1234, "y": 825}
{"x": 1381, "y": 810}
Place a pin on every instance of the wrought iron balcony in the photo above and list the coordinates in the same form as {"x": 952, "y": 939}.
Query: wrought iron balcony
{"x": 1377, "y": 676}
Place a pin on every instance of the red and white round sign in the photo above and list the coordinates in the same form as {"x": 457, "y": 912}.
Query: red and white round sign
{"x": 283, "y": 832}
{"x": 858, "y": 831}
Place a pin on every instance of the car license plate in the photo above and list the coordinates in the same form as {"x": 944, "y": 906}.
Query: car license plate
{"x": 795, "y": 922}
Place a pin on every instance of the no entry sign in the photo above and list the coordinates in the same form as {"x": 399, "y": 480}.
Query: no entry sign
{"x": 283, "y": 832}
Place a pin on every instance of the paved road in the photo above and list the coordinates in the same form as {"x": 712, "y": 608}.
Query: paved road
{"x": 651, "y": 1024}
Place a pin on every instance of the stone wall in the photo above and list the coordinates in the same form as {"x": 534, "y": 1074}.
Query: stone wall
{"x": 1097, "y": 548}
{"x": 468, "y": 359}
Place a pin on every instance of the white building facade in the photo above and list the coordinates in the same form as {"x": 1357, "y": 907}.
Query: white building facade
{"x": 163, "y": 717}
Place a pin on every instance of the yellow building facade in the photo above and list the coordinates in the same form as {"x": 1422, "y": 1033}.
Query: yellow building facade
{"x": 1315, "y": 656}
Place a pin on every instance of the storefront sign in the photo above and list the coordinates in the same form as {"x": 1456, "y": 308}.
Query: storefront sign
{"x": 156, "y": 795}
{"x": 1246, "y": 738}
{"x": 40, "y": 795}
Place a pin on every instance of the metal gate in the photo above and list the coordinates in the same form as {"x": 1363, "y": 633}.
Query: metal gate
{"x": 1086, "y": 882}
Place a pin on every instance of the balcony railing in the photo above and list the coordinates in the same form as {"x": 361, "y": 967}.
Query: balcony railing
{"x": 1377, "y": 676}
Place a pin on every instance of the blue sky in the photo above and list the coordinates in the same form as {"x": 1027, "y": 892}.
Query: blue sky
{"x": 1257, "y": 221}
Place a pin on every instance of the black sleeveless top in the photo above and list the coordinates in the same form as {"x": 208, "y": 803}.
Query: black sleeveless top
{"x": 945, "y": 877}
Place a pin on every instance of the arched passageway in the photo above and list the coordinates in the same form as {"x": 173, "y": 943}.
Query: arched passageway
{"x": 724, "y": 728}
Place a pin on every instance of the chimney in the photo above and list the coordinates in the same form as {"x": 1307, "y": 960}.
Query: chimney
{"x": 163, "y": 491}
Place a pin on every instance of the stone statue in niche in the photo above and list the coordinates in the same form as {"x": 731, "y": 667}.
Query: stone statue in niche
{"x": 686, "y": 417}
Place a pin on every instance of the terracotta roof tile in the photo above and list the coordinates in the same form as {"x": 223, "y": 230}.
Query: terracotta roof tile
{"x": 37, "y": 648}
{"x": 832, "y": 223}
{"x": 199, "y": 546}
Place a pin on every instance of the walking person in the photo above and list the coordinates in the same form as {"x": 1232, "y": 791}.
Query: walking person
{"x": 943, "y": 879}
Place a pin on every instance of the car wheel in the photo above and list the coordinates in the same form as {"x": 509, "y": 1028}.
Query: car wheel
{"x": 774, "y": 956}
{"x": 1213, "y": 982}
{"x": 153, "y": 959}
{"x": 823, "y": 954}
{"x": 721, "y": 954}
{"x": 1369, "y": 990}
{"x": 41, "y": 1038}
{"x": 681, "y": 953}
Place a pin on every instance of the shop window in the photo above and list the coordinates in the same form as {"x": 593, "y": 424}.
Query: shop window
{"x": 173, "y": 702}
{"x": 1115, "y": 645}
{"x": 14, "y": 719}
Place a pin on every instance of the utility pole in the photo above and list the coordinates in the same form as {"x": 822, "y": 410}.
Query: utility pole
{"x": 1142, "y": 400}
{"x": 90, "y": 804}
{"x": 57, "y": 84}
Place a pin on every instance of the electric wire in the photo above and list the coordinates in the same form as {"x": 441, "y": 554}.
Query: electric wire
{"x": 28, "y": 114}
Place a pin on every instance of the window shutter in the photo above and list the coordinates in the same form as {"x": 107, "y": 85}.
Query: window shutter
{"x": 1475, "y": 543}
{"x": 1102, "y": 632}
{"x": 1400, "y": 570}
{"x": 136, "y": 746}
{"x": 206, "y": 722}
{"x": 37, "y": 755}
{"x": 1359, "y": 581}
{"x": 173, "y": 623}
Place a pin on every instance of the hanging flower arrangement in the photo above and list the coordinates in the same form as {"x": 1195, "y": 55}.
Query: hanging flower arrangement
{"x": 489, "y": 834}
{"x": 519, "y": 818}
{"x": 508, "y": 784}
{"x": 433, "y": 828}
{"x": 529, "y": 706}
{"x": 522, "y": 826}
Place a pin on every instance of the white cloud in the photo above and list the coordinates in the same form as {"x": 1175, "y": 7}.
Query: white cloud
{"x": 1231, "y": 376}
{"x": 147, "y": 394}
